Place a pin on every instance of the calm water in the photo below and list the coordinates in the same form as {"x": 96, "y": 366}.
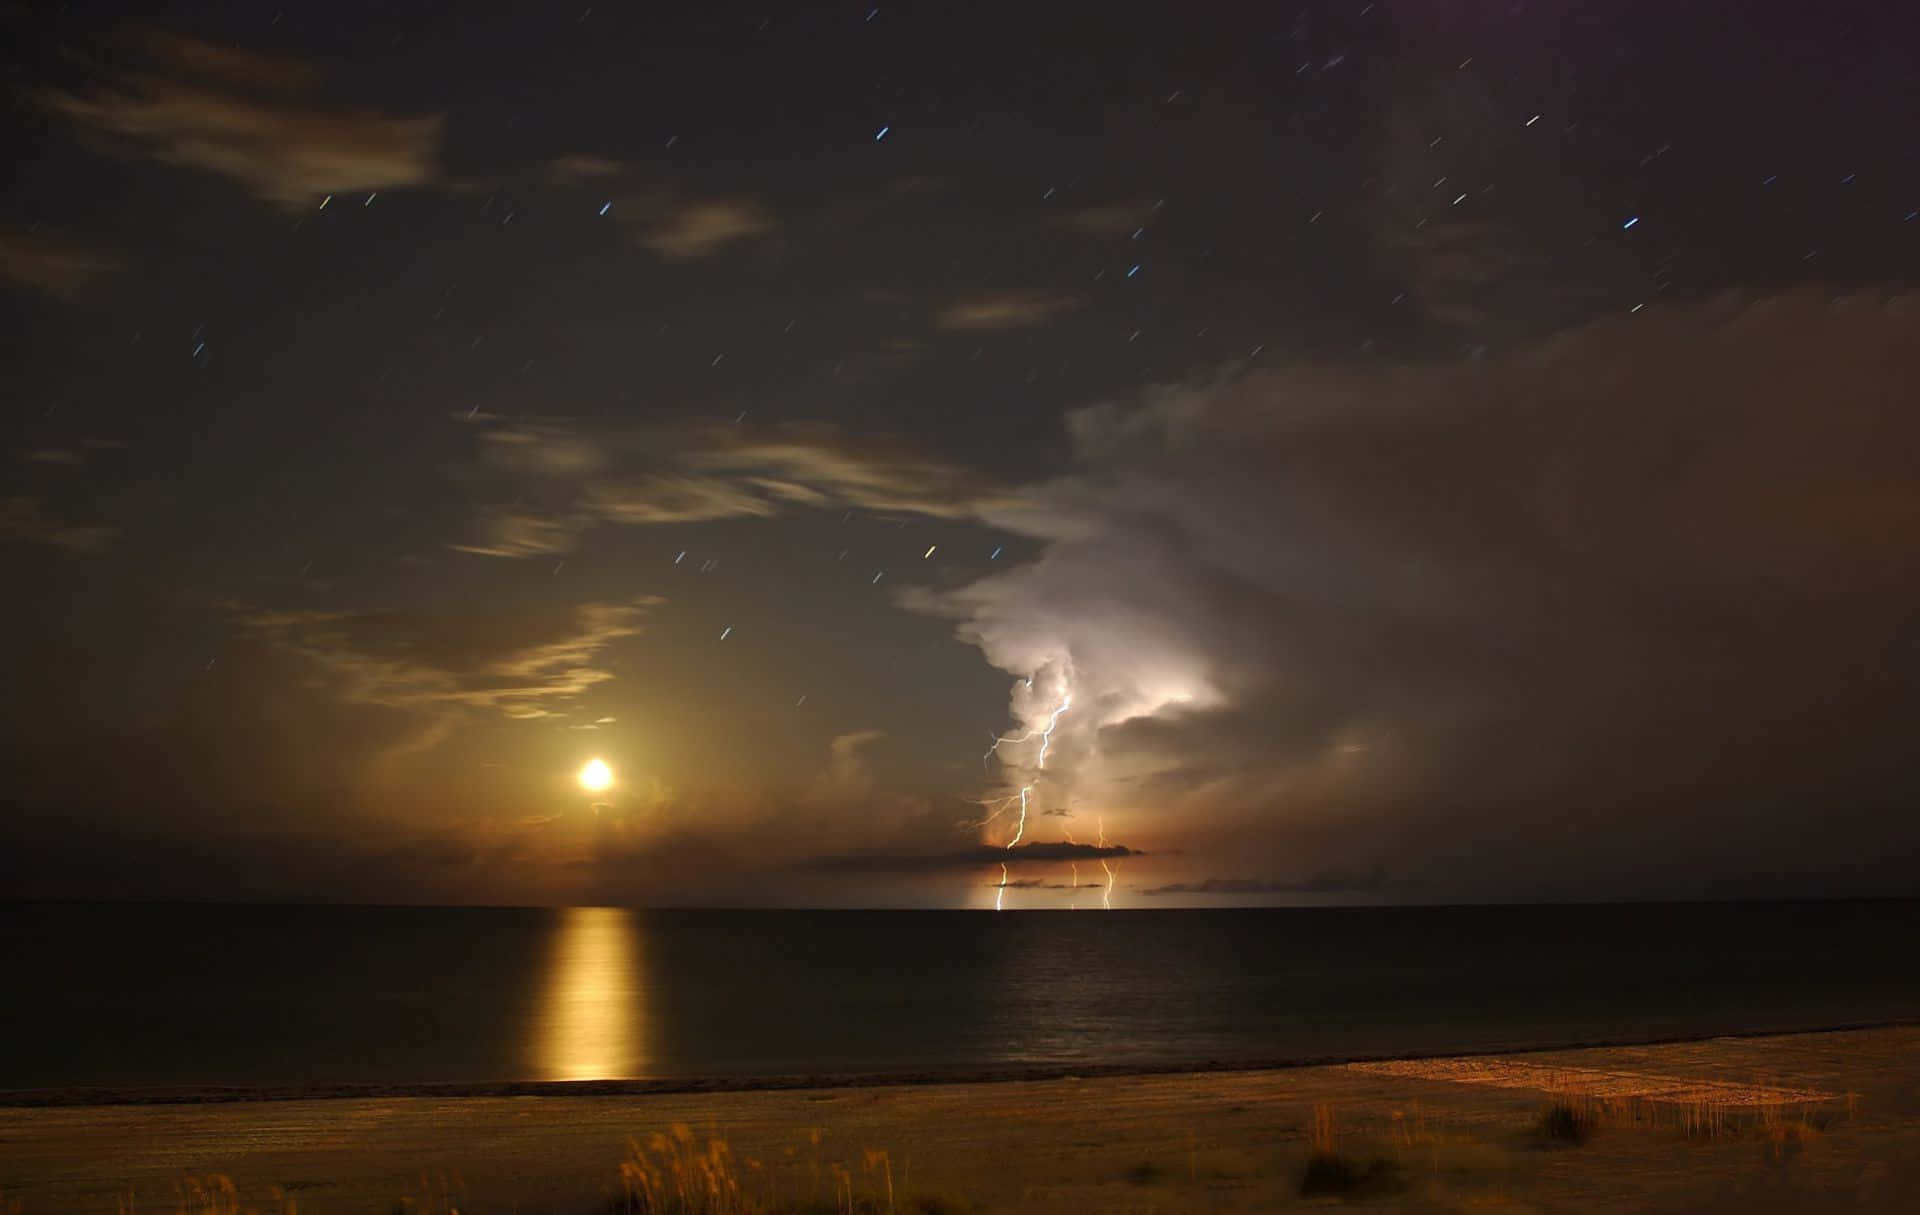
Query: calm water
{"x": 138, "y": 996}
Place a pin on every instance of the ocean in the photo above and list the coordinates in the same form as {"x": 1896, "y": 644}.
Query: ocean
{"x": 170, "y": 997}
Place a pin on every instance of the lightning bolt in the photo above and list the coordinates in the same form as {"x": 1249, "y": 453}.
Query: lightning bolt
{"x": 1046, "y": 738}
{"x": 1046, "y": 743}
{"x": 1025, "y": 796}
{"x": 1106, "y": 896}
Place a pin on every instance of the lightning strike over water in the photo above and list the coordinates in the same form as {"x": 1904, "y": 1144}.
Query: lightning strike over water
{"x": 1106, "y": 896}
{"x": 1046, "y": 739}
{"x": 1021, "y": 830}
{"x": 1025, "y": 796}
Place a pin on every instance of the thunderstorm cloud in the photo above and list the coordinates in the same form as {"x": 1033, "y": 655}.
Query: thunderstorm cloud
{"x": 1635, "y": 602}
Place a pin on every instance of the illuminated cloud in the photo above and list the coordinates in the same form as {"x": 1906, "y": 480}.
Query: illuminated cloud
{"x": 722, "y": 473}
{"x": 57, "y": 269}
{"x": 675, "y": 499}
{"x": 697, "y": 229}
{"x": 846, "y": 775}
{"x": 284, "y": 153}
{"x": 1610, "y": 595}
{"x": 572, "y": 170}
{"x": 812, "y": 466}
{"x": 517, "y": 667}
{"x": 542, "y": 451}
{"x": 1005, "y": 310}
{"x": 231, "y": 64}
{"x": 516, "y": 534}
{"x": 23, "y": 519}
{"x": 1120, "y": 218}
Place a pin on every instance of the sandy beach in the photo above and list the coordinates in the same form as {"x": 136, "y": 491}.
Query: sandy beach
{"x": 1797, "y": 1122}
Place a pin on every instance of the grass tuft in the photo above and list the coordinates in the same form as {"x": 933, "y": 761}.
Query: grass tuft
{"x": 1568, "y": 1124}
{"x": 1331, "y": 1171}
{"x": 1340, "y": 1174}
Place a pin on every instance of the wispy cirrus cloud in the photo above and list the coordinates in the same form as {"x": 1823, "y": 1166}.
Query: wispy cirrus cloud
{"x": 514, "y": 533}
{"x": 282, "y": 152}
{"x": 579, "y": 168}
{"x": 1024, "y": 309}
{"x": 229, "y": 63}
{"x": 24, "y": 519}
{"x": 515, "y": 666}
{"x": 1119, "y": 218}
{"x": 730, "y": 473}
{"x": 35, "y": 259}
{"x": 696, "y": 229}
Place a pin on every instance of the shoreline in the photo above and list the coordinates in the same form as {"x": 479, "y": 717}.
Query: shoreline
{"x": 1749, "y": 1125}
{"x": 200, "y": 1095}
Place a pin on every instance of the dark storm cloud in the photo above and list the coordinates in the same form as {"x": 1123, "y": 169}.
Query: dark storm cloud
{"x": 284, "y": 153}
{"x": 974, "y": 859}
{"x": 1636, "y": 601}
{"x": 1331, "y": 881}
{"x": 515, "y": 666}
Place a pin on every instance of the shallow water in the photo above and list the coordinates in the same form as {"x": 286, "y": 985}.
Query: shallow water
{"x": 134, "y": 996}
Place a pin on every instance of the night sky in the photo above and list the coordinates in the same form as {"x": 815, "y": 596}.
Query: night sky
{"x": 1394, "y": 451}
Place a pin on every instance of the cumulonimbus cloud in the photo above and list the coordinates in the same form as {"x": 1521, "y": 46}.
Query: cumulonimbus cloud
{"x": 1348, "y": 618}
{"x": 1592, "y": 611}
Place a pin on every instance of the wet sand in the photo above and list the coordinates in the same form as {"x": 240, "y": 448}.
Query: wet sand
{"x": 1798, "y": 1122}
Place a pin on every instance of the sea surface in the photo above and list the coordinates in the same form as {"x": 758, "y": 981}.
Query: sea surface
{"x": 134, "y": 996}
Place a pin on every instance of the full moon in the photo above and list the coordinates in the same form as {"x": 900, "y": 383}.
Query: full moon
{"x": 595, "y": 776}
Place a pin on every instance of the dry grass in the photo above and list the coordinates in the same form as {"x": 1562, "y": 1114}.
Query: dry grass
{"x": 1570, "y": 1120}
{"x": 1329, "y": 1171}
{"x": 676, "y": 1174}
{"x": 206, "y": 1194}
{"x": 1366, "y": 1155}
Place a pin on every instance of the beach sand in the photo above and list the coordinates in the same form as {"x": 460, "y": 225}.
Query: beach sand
{"x": 1798, "y": 1122}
